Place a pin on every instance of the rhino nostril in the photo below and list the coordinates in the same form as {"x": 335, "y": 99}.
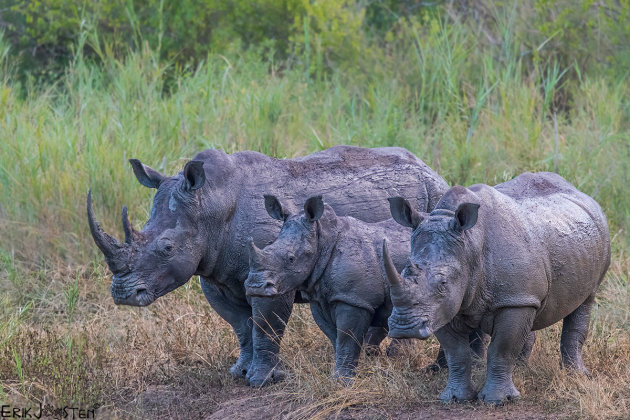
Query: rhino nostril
{"x": 141, "y": 292}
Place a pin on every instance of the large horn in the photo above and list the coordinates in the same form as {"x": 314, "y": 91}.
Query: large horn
{"x": 105, "y": 243}
{"x": 255, "y": 257}
{"x": 390, "y": 270}
{"x": 130, "y": 233}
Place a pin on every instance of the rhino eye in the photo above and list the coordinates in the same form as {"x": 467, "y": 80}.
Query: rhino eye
{"x": 165, "y": 247}
{"x": 442, "y": 283}
{"x": 291, "y": 258}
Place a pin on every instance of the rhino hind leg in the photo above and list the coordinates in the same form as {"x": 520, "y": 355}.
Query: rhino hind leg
{"x": 238, "y": 316}
{"x": 478, "y": 342}
{"x": 325, "y": 323}
{"x": 523, "y": 357}
{"x": 373, "y": 339}
{"x": 512, "y": 328}
{"x": 352, "y": 325}
{"x": 270, "y": 316}
{"x": 439, "y": 363}
{"x": 574, "y": 333}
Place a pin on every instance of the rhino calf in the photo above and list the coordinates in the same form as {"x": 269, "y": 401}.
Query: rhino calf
{"x": 336, "y": 263}
{"x": 509, "y": 260}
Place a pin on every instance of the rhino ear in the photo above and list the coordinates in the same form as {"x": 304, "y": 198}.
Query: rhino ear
{"x": 194, "y": 175}
{"x": 274, "y": 208}
{"x": 403, "y": 213}
{"x": 146, "y": 175}
{"x": 314, "y": 208}
{"x": 465, "y": 216}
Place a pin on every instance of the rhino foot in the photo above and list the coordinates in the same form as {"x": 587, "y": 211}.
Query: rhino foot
{"x": 345, "y": 376}
{"x": 372, "y": 351}
{"x": 240, "y": 368}
{"x": 458, "y": 394}
{"x": 259, "y": 376}
{"x": 498, "y": 394}
{"x": 433, "y": 368}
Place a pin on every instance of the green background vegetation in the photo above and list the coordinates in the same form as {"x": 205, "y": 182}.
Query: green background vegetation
{"x": 481, "y": 91}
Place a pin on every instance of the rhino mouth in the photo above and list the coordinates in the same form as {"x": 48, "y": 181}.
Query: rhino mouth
{"x": 402, "y": 328}
{"x": 257, "y": 285}
{"x": 265, "y": 290}
{"x": 130, "y": 295}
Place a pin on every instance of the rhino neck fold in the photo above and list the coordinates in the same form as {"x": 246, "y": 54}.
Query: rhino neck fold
{"x": 325, "y": 248}
{"x": 476, "y": 290}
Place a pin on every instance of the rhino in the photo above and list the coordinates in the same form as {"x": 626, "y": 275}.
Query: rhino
{"x": 335, "y": 262}
{"x": 202, "y": 217}
{"x": 509, "y": 259}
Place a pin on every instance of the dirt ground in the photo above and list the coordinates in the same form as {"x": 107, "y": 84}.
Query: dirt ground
{"x": 242, "y": 402}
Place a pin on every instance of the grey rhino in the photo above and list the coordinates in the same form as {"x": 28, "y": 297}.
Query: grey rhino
{"x": 335, "y": 263}
{"x": 509, "y": 260}
{"x": 202, "y": 217}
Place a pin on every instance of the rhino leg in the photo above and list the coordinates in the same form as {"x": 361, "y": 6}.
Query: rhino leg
{"x": 324, "y": 322}
{"x": 523, "y": 357}
{"x": 378, "y": 331}
{"x": 373, "y": 339}
{"x": 458, "y": 356}
{"x": 512, "y": 327}
{"x": 238, "y": 315}
{"x": 352, "y": 325}
{"x": 478, "y": 342}
{"x": 270, "y": 317}
{"x": 574, "y": 333}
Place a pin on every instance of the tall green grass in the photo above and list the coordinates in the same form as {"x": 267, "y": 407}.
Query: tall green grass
{"x": 475, "y": 112}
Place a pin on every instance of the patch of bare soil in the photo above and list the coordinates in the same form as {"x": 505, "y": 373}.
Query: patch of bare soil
{"x": 521, "y": 411}
{"x": 240, "y": 402}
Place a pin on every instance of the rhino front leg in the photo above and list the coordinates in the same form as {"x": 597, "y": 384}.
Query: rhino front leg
{"x": 574, "y": 333}
{"x": 511, "y": 330}
{"x": 458, "y": 357}
{"x": 238, "y": 314}
{"x": 352, "y": 324}
{"x": 270, "y": 317}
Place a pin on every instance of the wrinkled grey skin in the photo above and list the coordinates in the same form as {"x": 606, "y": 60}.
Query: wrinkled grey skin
{"x": 511, "y": 259}
{"x": 335, "y": 262}
{"x": 202, "y": 218}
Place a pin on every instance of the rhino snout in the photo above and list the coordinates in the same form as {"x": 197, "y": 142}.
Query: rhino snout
{"x": 267, "y": 289}
{"x": 136, "y": 295}
{"x": 399, "y": 327}
{"x": 260, "y": 287}
{"x": 425, "y": 331}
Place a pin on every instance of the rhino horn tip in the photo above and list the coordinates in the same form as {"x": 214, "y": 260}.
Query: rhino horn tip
{"x": 393, "y": 277}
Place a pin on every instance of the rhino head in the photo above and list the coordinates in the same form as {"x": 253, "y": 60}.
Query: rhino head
{"x": 429, "y": 292}
{"x": 289, "y": 261}
{"x": 168, "y": 250}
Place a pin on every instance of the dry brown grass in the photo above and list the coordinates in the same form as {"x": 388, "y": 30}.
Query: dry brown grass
{"x": 171, "y": 360}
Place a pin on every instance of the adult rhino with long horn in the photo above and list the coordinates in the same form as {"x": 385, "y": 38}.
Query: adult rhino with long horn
{"x": 509, "y": 259}
{"x": 202, "y": 218}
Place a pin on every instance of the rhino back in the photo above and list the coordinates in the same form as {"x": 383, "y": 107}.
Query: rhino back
{"x": 548, "y": 244}
{"x": 354, "y": 181}
{"x": 357, "y": 181}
